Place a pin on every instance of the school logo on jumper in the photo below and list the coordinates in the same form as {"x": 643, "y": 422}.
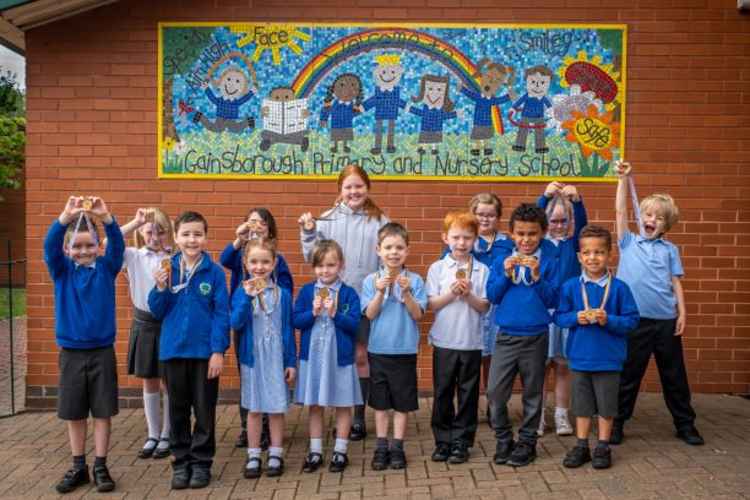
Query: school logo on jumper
{"x": 344, "y": 308}
{"x": 421, "y": 101}
{"x": 205, "y": 288}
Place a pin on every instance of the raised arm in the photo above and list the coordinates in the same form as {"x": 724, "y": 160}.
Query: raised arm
{"x": 621, "y": 199}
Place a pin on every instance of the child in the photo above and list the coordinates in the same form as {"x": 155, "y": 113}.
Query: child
{"x": 437, "y": 107}
{"x": 262, "y": 316}
{"x": 523, "y": 284}
{"x": 487, "y": 208}
{"x": 153, "y": 243}
{"x": 259, "y": 223}
{"x": 353, "y": 223}
{"x": 532, "y": 106}
{"x": 651, "y": 266}
{"x": 85, "y": 331}
{"x": 394, "y": 300}
{"x": 327, "y": 313}
{"x": 343, "y": 101}
{"x": 599, "y": 311}
{"x": 190, "y": 298}
{"x": 566, "y": 216}
{"x": 456, "y": 292}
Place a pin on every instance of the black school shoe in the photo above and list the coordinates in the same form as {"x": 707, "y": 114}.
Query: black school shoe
{"x": 181, "y": 477}
{"x": 503, "y": 450}
{"x": 358, "y": 432}
{"x": 148, "y": 451}
{"x": 441, "y": 453}
{"x": 691, "y": 436}
{"x": 102, "y": 479}
{"x": 339, "y": 461}
{"x": 577, "y": 456}
{"x": 380, "y": 459}
{"x": 602, "y": 458}
{"x": 255, "y": 471}
{"x": 163, "y": 452}
{"x": 523, "y": 454}
{"x": 73, "y": 479}
{"x": 459, "y": 453}
{"x": 313, "y": 461}
{"x": 200, "y": 477}
{"x": 275, "y": 471}
{"x": 398, "y": 458}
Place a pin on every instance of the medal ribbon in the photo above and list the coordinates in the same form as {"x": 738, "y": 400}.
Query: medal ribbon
{"x": 586, "y": 306}
{"x": 636, "y": 206}
{"x": 89, "y": 226}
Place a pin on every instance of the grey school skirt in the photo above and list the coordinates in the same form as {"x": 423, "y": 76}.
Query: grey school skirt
{"x": 143, "y": 348}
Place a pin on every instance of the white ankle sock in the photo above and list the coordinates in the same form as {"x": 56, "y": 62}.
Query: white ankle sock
{"x": 561, "y": 411}
{"x": 316, "y": 445}
{"x": 152, "y": 410}
{"x": 274, "y": 454}
{"x": 341, "y": 445}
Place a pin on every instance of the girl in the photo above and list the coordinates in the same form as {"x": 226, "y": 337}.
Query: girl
{"x": 567, "y": 216}
{"x": 487, "y": 208}
{"x": 327, "y": 313}
{"x": 262, "y": 317}
{"x": 353, "y": 223}
{"x": 258, "y": 224}
{"x": 153, "y": 237}
{"x": 437, "y": 108}
{"x": 347, "y": 91}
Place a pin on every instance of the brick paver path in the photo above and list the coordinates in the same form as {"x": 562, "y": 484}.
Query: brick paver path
{"x": 650, "y": 464}
{"x": 19, "y": 366}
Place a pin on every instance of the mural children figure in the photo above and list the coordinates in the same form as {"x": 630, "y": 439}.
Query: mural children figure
{"x": 437, "y": 108}
{"x": 342, "y": 102}
{"x": 532, "y": 106}
{"x": 387, "y": 99}
{"x": 492, "y": 76}
{"x": 284, "y": 119}
{"x": 235, "y": 88}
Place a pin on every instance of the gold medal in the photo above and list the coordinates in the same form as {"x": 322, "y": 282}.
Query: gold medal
{"x": 166, "y": 265}
{"x": 323, "y": 293}
{"x": 88, "y": 204}
{"x": 259, "y": 283}
{"x": 461, "y": 274}
{"x": 591, "y": 315}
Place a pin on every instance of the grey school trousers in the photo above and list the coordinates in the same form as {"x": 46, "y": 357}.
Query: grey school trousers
{"x": 525, "y": 356}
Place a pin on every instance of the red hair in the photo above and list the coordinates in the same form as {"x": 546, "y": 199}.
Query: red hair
{"x": 371, "y": 209}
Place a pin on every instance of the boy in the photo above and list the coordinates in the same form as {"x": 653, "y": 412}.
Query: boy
{"x": 85, "y": 331}
{"x": 651, "y": 266}
{"x": 532, "y": 106}
{"x": 523, "y": 283}
{"x": 456, "y": 292}
{"x": 191, "y": 301}
{"x": 599, "y": 312}
{"x": 393, "y": 299}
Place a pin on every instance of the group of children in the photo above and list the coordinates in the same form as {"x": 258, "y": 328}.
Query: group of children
{"x": 504, "y": 305}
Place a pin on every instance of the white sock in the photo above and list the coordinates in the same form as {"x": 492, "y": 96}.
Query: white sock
{"x": 341, "y": 445}
{"x": 274, "y": 454}
{"x": 165, "y": 427}
{"x": 151, "y": 409}
{"x": 561, "y": 411}
{"x": 316, "y": 445}
{"x": 253, "y": 453}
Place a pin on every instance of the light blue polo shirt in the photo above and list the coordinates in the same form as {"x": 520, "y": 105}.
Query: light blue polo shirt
{"x": 394, "y": 331}
{"x": 647, "y": 266}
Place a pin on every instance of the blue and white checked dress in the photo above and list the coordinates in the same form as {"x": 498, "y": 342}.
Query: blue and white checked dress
{"x": 263, "y": 386}
{"x": 321, "y": 380}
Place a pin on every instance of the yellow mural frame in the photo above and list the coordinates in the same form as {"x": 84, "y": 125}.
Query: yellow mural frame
{"x": 404, "y": 178}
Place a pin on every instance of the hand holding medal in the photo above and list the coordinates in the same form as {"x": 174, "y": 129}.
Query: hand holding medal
{"x": 591, "y": 315}
{"x": 163, "y": 275}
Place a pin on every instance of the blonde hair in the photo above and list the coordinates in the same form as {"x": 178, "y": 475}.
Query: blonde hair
{"x": 266, "y": 244}
{"x": 567, "y": 208}
{"x": 156, "y": 216}
{"x": 666, "y": 207}
{"x": 486, "y": 199}
{"x": 461, "y": 220}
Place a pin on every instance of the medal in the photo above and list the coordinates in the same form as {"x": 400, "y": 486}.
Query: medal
{"x": 87, "y": 204}
{"x": 166, "y": 265}
{"x": 460, "y": 274}
{"x": 323, "y": 293}
{"x": 590, "y": 313}
{"x": 259, "y": 284}
{"x": 465, "y": 273}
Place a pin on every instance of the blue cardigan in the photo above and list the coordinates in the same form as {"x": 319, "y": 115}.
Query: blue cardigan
{"x": 594, "y": 348}
{"x": 522, "y": 309}
{"x": 242, "y": 323}
{"x": 569, "y": 265}
{"x": 346, "y": 321}
{"x": 231, "y": 259}
{"x": 84, "y": 297}
{"x": 195, "y": 321}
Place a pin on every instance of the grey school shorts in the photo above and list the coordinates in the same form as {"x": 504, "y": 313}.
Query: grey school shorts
{"x": 594, "y": 393}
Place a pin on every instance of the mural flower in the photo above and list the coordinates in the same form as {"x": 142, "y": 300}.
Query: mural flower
{"x": 593, "y": 132}
{"x": 592, "y": 76}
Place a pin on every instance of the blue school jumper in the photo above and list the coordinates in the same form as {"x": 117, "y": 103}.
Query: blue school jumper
{"x": 523, "y": 309}
{"x": 84, "y": 295}
{"x": 346, "y": 321}
{"x": 231, "y": 259}
{"x": 195, "y": 319}
{"x": 595, "y": 348}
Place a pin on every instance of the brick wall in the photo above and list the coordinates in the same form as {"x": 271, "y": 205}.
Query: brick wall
{"x": 92, "y": 129}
